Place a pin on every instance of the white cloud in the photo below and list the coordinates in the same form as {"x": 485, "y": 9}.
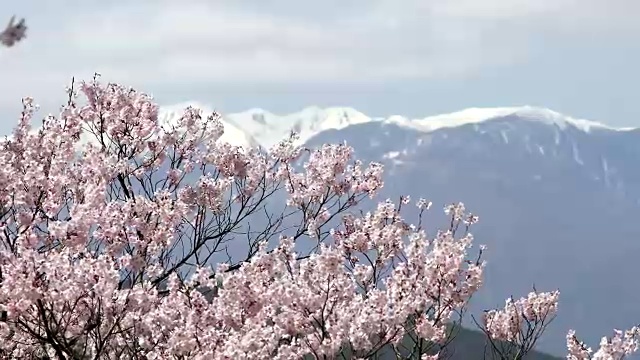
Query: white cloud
{"x": 160, "y": 43}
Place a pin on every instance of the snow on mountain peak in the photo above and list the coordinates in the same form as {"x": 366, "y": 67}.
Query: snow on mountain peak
{"x": 268, "y": 128}
{"x": 258, "y": 126}
{"x": 553, "y": 117}
{"x": 479, "y": 115}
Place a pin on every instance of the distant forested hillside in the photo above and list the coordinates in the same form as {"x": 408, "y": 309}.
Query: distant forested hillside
{"x": 470, "y": 345}
{"x": 466, "y": 345}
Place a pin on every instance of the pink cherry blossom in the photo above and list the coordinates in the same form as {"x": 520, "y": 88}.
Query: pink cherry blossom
{"x": 618, "y": 347}
{"x": 13, "y": 33}
{"x": 112, "y": 221}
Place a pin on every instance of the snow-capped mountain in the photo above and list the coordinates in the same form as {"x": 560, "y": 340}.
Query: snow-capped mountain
{"x": 480, "y": 115}
{"x": 261, "y": 127}
{"x": 268, "y": 128}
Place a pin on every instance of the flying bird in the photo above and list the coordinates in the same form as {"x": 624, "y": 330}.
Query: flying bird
{"x": 13, "y": 33}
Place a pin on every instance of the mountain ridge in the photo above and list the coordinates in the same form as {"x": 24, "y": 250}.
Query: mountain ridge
{"x": 264, "y": 128}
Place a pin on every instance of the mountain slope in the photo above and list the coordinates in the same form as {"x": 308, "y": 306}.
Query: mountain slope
{"x": 470, "y": 345}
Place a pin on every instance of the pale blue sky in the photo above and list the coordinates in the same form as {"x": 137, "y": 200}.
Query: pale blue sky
{"x": 383, "y": 57}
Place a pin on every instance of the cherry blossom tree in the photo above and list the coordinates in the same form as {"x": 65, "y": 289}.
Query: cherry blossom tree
{"x": 13, "y": 33}
{"x": 120, "y": 237}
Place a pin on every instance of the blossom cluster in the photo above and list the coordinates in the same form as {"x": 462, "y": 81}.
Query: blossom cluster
{"x": 111, "y": 221}
{"x": 13, "y": 33}
{"x": 507, "y": 323}
{"x": 622, "y": 344}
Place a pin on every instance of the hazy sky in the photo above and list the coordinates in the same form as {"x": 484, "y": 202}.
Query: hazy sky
{"x": 383, "y": 57}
